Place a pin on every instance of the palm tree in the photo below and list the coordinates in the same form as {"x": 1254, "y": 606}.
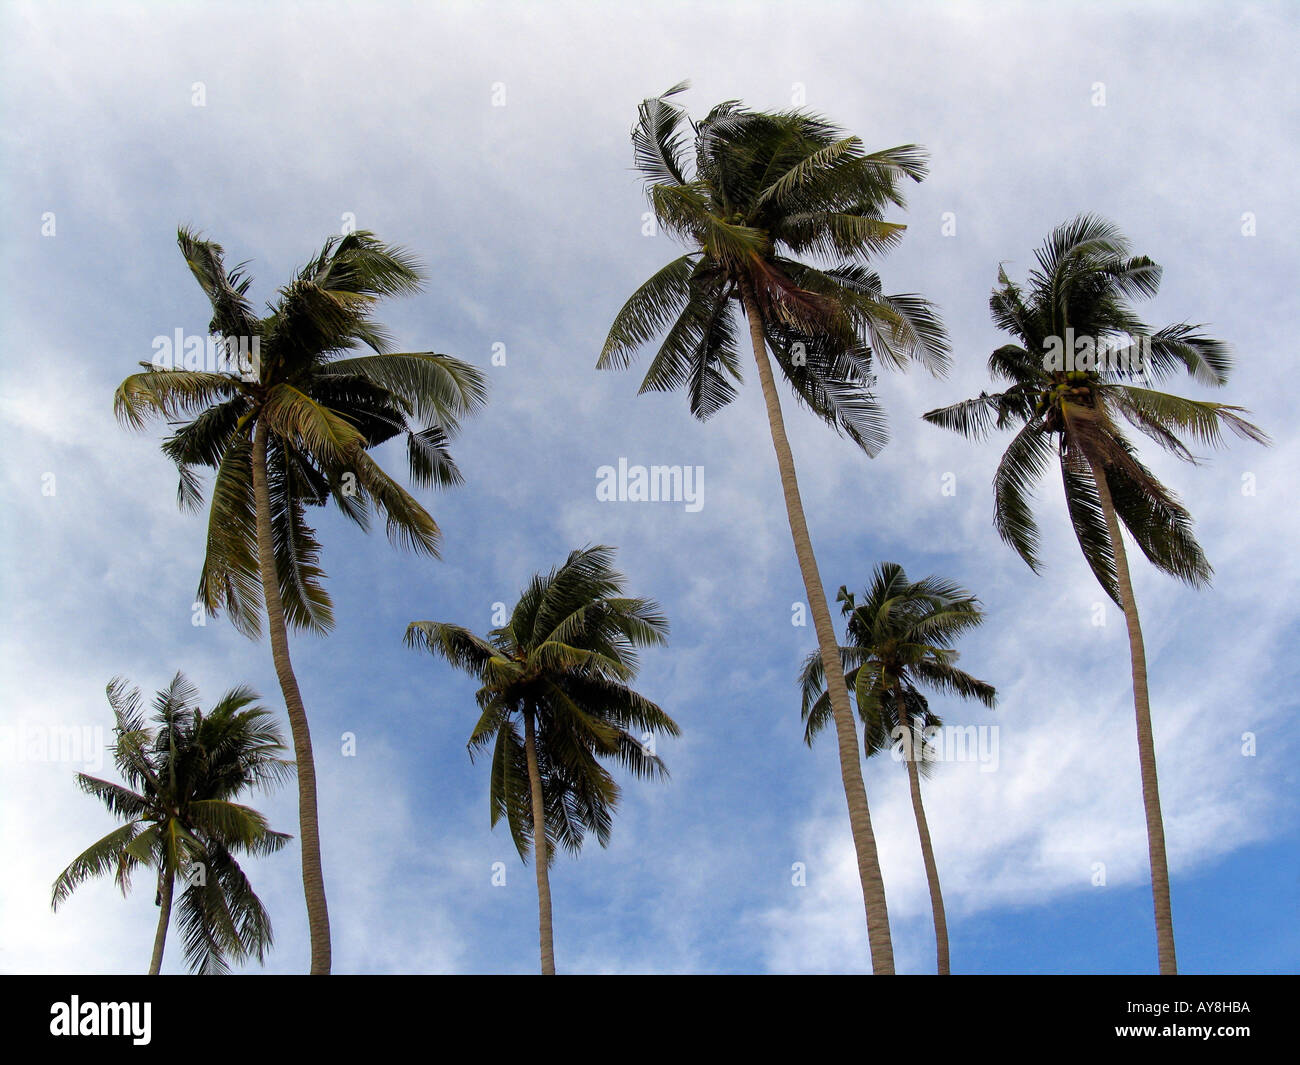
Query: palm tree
{"x": 182, "y": 777}
{"x": 294, "y": 430}
{"x": 898, "y": 640}
{"x": 561, "y": 666}
{"x": 1078, "y": 300}
{"x": 764, "y": 189}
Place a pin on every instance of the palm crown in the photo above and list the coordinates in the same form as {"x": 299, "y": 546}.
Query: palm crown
{"x": 899, "y": 639}
{"x": 766, "y": 188}
{"x": 182, "y": 775}
{"x": 324, "y": 410}
{"x": 1084, "y": 282}
{"x": 562, "y": 663}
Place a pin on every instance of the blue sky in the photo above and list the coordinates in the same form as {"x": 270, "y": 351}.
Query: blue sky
{"x": 530, "y": 221}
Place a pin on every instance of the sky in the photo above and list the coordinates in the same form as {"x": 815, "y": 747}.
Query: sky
{"x": 492, "y": 140}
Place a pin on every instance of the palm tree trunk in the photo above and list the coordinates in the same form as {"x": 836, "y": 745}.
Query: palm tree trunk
{"x": 927, "y": 847}
{"x": 864, "y": 841}
{"x": 313, "y": 881}
{"x": 165, "y": 884}
{"x": 540, "y": 855}
{"x": 1146, "y": 741}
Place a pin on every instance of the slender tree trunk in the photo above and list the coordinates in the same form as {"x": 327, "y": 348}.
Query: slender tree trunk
{"x": 540, "y": 854}
{"x": 313, "y": 881}
{"x": 927, "y": 847}
{"x": 864, "y": 841}
{"x": 1146, "y": 741}
{"x": 166, "y": 883}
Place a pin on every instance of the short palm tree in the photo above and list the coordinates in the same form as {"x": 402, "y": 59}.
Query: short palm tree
{"x": 765, "y": 189}
{"x": 295, "y": 432}
{"x": 1081, "y": 290}
{"x": 560, "y": 666}
{"x": 182, "y": 775}
{"x": 898, "y": 640}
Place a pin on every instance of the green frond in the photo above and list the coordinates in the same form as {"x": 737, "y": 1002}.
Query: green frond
{"x": 1089, "y": 521}
{"x": 408, "y": 524}
{"x": 657, "y": 141}
{"x": 685, "y": 211}
{"x": 454, "y": 643}
{"x": 972, "y": 418}
{"x": 437, "y": 389}
{"x": 952, "y": 681}
{"x": 307, "y": 426}
{"x": 805, "y": 172}
{"x": 699, "y": 355}
{"x": 227, "y": 291}
{"x": 648, "y": 311}
{"x": 1181, "y": 347}
{"x": 172, "y": 395}
{"x": 834, "y": 234}
{"x": 1161, "y": 527}
{"x": 815, "y": 706}
{"x": 121, "y": 802}
{"x": 230, "y": 579}
{"x": 1023, "y": 463}
{"x": 1164, "y": 416}
{"x": 294, "y": 546}
{"x": 99, "y": 859}
{"x": 509, "y": 794}
{"x": 832, "y": 383}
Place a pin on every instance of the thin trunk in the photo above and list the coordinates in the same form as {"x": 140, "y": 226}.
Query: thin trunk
{"x": 927, "y": 847}
{"x": 864, "y": 841}
{"x": 540, "y": 854}
{"x": 165, "y": 884}
{"x": 1146, "y": 741}
{"x": 313, "y": 882}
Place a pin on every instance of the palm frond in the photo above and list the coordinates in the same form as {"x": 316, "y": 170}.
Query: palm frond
{"x": 1023, "y": 463}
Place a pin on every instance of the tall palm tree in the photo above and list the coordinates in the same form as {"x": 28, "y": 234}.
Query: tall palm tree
{"x": 182, "y": 776}
{"x": 898, "y": 640}
{"x": 1081, "y": 292}
{"x": 295, "y": 431}
{"x": 561, "y": 667}
{"x": 764, "y": 189}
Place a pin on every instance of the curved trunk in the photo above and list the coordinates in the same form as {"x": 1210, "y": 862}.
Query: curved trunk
{"x": 1146, "y": 741}
{"x": 864, "y": 841}
{"x": 540, "y": 854}
{"x": 927, "y": 848}
{"x": 166, "y": 883}
{"x": 313, "y": 882}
